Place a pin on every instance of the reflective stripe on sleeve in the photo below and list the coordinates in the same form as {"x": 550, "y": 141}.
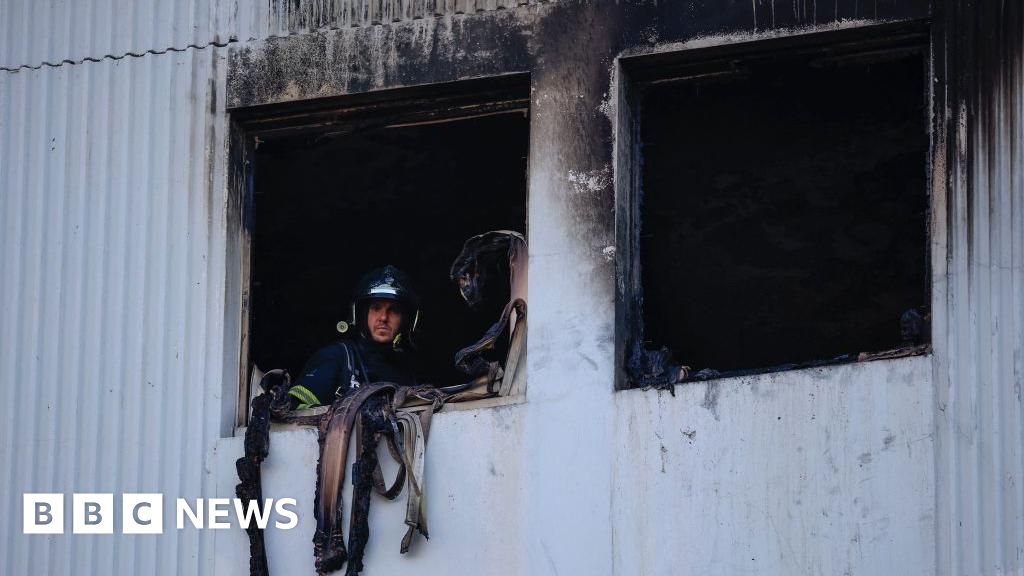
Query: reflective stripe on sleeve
{"x": 304, "y": 395}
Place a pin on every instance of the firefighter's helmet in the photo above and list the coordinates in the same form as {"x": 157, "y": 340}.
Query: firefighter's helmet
{"x": 387, "y": 283}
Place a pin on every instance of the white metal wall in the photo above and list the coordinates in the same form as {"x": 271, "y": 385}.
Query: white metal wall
{"x": 55, "y": 31}
{"x": 48, "y": 32}
{"x": 111, "y": 299}
{"x": 979, "y": 292}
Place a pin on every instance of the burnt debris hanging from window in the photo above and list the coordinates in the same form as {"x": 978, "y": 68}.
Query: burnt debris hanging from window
{"x": 330, "y": 206}
{"x": 784, "y": 212}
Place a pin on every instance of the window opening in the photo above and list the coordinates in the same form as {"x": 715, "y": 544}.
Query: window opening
{"x": 405, "y": 185}
{"x": 783, "y": 217}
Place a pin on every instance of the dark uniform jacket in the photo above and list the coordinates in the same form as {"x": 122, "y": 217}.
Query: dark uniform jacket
{"x": 338, "y": 368}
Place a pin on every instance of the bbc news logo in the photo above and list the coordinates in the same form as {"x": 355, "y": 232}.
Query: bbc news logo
{"x": 144, "y": 513}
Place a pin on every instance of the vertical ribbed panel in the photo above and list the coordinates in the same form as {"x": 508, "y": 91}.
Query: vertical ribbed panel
{"x": 111, "y": 299}
{"x": 290, "y": 16}
{"x": 34, "y": 33}
{"x": 979, "y": 297}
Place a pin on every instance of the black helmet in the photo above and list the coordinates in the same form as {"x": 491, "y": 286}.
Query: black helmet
{"x": 387, "y": 283}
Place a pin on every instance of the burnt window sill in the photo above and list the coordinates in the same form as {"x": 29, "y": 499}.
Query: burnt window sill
{"x": 665, "y": 382}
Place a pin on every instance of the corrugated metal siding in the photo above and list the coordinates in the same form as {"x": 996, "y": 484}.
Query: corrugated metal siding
{"x": 33, "y": 34}
{"x": 111, "y": 299}
{"x": 52, "y": 31}
{"x": 291, "y": 16}
{"x": 979, "y": 297}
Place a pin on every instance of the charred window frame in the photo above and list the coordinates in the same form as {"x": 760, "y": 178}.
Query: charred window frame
{"x": 641, "y": 360}
{"x": 421, "y": 106}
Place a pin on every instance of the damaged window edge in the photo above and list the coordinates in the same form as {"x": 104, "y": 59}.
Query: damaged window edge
{"x": 670, "y": 374}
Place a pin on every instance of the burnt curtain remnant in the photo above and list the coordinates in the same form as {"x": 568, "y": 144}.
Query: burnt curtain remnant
{"x": 784, "y": 211}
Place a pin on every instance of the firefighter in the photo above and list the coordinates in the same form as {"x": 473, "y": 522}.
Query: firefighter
{"x": 385, "y": 310}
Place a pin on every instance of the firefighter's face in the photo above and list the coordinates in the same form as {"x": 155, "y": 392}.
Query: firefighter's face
{"x": 384, "y": 319}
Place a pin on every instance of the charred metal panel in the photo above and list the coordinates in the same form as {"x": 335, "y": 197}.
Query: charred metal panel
{"x": 979, "y": 286}
{"x": 299, "y": 15}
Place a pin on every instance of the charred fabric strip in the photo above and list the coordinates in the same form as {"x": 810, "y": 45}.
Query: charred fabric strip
{"x": 276, "y": 383}
{"x": 370, "y": 415}
{"x": 335, "y": 432}
{"x": 257, "y": 447}
{"x": 657, "y": 369}
{"x": 250, "y": 489}
{"x": 486, "y": 258}
{"x": 471, "y": 360}
{"x": 412, "y": 445}
{"x": 499, "y": 254}
{"x": 372, "y": 423}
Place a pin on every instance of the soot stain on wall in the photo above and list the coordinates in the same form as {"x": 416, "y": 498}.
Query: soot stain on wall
{"x": 572, "y": 83}
{"x": 980, "y": 65}
{"x": 356, "y": 60}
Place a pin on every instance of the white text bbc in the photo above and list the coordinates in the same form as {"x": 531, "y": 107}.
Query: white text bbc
{"x": 144, "y": 513}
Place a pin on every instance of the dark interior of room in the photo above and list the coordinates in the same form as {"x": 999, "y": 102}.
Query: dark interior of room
{"x": 784, "y": 210}
{"x": 328, "y": 207}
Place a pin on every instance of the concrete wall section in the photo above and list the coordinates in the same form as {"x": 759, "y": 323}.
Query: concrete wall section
{"x": 822, "y": 471}
{"x": 475, "y": 472}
